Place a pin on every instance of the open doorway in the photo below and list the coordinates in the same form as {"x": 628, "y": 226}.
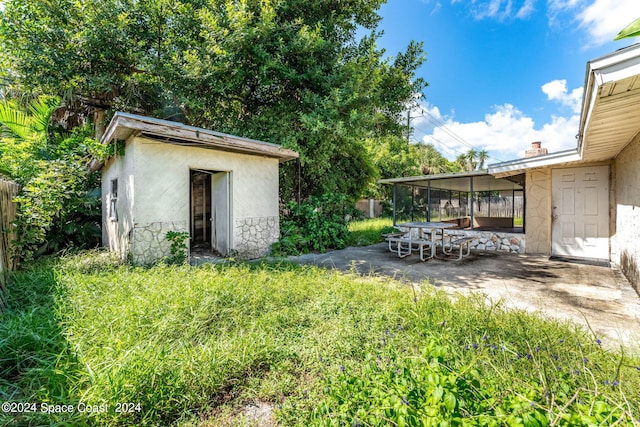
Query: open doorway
{"x": 210, "y": 211}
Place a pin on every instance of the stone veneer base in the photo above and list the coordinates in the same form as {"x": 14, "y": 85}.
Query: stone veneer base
{"x": 255, "y": 235}
{"x": 496, "y": 241}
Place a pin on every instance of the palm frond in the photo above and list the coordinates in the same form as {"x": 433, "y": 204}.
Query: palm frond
{"x": 15, "y": 122}
{"x": 41, "y": 110}
{"x": 631, "y": 30}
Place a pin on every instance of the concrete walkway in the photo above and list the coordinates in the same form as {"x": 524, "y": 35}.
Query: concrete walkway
{"x": 597, "y": 297}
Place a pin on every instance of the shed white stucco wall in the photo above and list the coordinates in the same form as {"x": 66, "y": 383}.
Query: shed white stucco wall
{"x": 158, "y": 190}
{"x": 625, "y": 236}
{"x": 116, "y": 233}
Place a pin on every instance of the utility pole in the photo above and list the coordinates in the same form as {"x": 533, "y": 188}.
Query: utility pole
{"x": 409, "y": 117}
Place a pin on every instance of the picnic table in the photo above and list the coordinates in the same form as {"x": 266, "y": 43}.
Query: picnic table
{"x": 423, "y": 236}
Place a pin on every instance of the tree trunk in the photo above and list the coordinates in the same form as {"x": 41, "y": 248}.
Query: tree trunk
{"x": 99, "y": 120}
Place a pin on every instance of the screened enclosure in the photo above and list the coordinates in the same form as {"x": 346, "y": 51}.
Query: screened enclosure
{"x": 473, "y": 200}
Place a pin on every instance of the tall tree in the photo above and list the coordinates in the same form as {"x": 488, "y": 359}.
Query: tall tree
{"x": 292, "y": 72}
{"x": 462, "y": 162}
{"x": 471, "y": 157}
{"x": 431, "y": 161}
{"x": 483, "y": 155}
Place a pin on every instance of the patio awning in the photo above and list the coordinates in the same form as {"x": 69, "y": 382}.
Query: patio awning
{"x": 461, "y": 181}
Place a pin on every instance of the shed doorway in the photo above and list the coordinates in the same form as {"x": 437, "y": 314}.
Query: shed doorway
{"x": 210, "y": 211}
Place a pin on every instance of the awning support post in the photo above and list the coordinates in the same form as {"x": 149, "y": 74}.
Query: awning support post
{"x": 413, "y": 201}
{"x": 429, "y": 202}
{"x": 395, "y": 198}
{"x": 513, "y": 208}
{"x": 471, "y": 201}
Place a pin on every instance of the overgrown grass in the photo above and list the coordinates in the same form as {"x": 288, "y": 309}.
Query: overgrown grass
{"x": 192, "y": 345}
{"x": 369, "y": 231}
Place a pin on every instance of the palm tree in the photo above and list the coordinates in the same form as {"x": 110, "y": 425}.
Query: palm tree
{"x": 483, "y": 155}
{"x": 27, "y": 124}
{"x": 461, "y": 161}
{"x": 471, "y": 159}
{"x": 23, "y": 132}
{"x": 431, "y": 161}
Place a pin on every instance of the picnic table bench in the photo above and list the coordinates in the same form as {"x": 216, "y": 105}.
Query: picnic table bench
{"x": 410, "y": 243}
{"x": 459, "y": 243}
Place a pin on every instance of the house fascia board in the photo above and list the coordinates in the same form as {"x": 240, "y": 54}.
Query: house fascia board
{"x": 513, "y": 167}
{"x": 123, "y": 125}
{"x": 612, "y": 67}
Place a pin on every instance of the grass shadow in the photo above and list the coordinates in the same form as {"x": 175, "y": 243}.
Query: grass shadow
{"x": 37, "y": 366}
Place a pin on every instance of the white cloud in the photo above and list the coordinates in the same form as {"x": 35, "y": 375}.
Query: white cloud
{"x": 600, "y": 19}
{"x": 505, "y": 134}
{"x": 501, "y": 9}
{"x": 556, "y": 90}
{"x": 526, "y": 10}
{"x": 603, "y": 19}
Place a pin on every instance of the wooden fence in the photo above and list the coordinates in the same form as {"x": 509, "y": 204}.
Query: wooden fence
{"x": 8, "y": 190}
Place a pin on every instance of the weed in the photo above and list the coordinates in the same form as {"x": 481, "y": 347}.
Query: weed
{"x": 179, "y": 249}
{"x": 193, "y": 345}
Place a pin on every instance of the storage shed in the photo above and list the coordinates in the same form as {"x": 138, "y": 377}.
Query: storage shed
{"x": 166, "y": 176}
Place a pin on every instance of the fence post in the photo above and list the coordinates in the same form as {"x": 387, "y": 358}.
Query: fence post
{"x": 8, "y": 190}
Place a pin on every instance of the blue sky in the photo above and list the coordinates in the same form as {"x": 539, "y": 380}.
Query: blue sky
{"x": 503, "y": 73}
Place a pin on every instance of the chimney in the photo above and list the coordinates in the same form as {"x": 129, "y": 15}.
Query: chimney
{"x": 536, "y": 150}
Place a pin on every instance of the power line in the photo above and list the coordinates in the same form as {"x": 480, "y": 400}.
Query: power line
{"x": 442, "y": 145}
{"x": 440, "y": 124}
{"x": 447, "y": 147}
{"x": 451, "y": 150}
{"x": 446, "y": 130}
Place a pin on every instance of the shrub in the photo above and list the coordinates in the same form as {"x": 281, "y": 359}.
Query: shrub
{"x": 59, "y": 201}
{"x": 319, "y": 224}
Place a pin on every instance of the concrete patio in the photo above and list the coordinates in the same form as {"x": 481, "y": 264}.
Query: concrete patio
{"x": 597, "y": 297}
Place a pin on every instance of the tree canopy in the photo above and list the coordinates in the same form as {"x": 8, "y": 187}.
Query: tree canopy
{"x": 305, "y": 74}
{"x": 58, "y": 202}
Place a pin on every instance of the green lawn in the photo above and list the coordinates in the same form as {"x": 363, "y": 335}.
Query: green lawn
{"x": 369, "y": 231}
{"x": 192, "y": 345}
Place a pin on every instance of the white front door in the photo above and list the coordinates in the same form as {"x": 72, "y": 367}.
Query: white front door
{"x": 580, "y": 212}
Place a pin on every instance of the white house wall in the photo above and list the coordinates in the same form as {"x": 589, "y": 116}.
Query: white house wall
{"x": 625, "y": 240}
{"x": 162, "y": 188}
{"x": 116, "y": 232}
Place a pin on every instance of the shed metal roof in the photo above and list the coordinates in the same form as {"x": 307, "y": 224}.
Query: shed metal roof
{"x": 123, "y": 125}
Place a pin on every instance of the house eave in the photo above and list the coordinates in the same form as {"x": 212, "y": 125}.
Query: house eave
{"x": 608, "y": 120}
{"x": 514, "y": 167}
